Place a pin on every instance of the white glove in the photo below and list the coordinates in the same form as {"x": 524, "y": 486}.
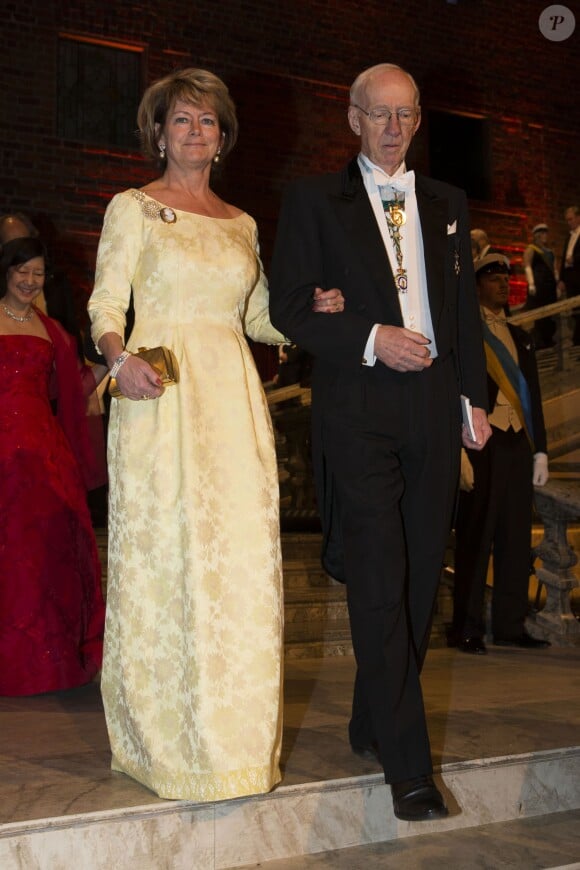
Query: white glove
{"x": 540, "y": 475}
{"x": 530, "y": 280}
{"x": 466, "y": 478}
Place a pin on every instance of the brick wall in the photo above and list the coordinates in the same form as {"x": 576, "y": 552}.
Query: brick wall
{"x": 289, "y": 65}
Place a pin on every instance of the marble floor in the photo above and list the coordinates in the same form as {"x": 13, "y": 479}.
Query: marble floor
{"x": 54, "y": 754}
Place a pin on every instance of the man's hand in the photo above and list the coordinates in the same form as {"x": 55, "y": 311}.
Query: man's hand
{"x": 327, "y": 301}
{"x": 401, "y": 349}
{"x": 482, "y": 431}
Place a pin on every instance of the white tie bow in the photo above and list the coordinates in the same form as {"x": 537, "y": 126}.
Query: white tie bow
{"x": 404, "y": 183}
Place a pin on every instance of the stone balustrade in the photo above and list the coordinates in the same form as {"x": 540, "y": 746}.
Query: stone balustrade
{"x": 530, "y": 315}
{"x": 558, "y": 504}
{"x": 526, "y": 318}
{"x": 290, "y": 411}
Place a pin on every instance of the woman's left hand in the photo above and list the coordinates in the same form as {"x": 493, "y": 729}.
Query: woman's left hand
{"x": 327, "y": 301}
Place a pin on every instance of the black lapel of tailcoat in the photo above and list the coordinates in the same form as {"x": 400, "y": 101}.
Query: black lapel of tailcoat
{"x": 353, "y": 209}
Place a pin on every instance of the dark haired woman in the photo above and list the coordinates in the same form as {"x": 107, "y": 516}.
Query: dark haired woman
{"x": 51, "y": 606}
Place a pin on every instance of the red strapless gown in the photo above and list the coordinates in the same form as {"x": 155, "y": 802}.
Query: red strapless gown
{"x": 51, "y": 606}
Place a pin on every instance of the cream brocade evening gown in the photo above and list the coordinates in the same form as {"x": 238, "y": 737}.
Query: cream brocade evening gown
{"x": 192, "y": 672}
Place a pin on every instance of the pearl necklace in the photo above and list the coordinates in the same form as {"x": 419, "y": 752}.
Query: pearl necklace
{"x": 23, "y": 319}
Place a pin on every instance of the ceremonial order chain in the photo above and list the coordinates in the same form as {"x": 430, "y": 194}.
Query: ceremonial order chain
{"x": 396, "y": 217}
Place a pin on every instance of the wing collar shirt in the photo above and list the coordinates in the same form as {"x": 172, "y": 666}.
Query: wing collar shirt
{"x": 414, "y": 303}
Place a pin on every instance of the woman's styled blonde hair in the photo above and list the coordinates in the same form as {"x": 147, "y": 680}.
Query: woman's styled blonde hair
{"x": 196, "y": 86}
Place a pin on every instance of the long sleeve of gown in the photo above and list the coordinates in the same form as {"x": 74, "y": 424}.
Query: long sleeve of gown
{"x": 117, "y": 257}
{"x": 257, "y": 324}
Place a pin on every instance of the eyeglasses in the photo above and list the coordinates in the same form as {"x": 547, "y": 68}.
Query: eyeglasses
{"x": 405, "y": 117}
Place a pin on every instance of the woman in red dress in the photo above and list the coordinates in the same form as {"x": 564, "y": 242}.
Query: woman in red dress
{"x": 51, "y": 605}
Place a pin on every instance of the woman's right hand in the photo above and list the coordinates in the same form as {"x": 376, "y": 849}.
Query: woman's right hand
{"x": 139, "y": 381}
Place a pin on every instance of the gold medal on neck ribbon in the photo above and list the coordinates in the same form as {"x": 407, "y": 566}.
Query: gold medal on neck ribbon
{"x": 396, "y": 215}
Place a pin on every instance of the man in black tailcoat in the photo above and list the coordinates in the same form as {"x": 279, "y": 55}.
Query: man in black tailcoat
{"x": 386, "y": 415}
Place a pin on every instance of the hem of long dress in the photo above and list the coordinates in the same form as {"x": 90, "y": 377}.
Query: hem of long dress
{"x": 49, "y": 686}
{"x": 206, "y": 788}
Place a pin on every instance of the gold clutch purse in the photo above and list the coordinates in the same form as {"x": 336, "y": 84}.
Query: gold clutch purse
{"x": 161, "y": 359}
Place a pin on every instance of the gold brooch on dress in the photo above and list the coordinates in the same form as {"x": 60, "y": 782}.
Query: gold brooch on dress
{"x": 153, "y": 210}
{"x": 167, "y": 215}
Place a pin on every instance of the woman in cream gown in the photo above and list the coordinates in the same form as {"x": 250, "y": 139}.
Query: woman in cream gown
{"x": 192, "y": 672}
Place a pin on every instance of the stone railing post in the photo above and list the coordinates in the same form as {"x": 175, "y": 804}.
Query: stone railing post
{"x": 558, "y": 503}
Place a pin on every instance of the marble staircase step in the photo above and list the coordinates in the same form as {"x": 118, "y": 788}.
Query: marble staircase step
{"x": 305, "y": 571}
{"x": 341, "y": 645}
{"x": 293, "y": 822}
{"x": 318, "y": 604}
{"x": 312, "y": 631}
{"x": 551, "y": 842}
{"x": 315, "y": 649}
{"x": 301, "y": 545}
{"x": 315, "y": 610}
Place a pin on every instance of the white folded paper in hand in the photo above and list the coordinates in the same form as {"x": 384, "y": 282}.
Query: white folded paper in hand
{"x": 467, "y": 416}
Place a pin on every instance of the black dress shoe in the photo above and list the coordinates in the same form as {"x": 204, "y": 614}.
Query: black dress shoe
{"x": 418, "y": 800}
{"x": 473, "y": 645}
{"x": 525, "y": 641}
{"x": 370, "y": 751}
